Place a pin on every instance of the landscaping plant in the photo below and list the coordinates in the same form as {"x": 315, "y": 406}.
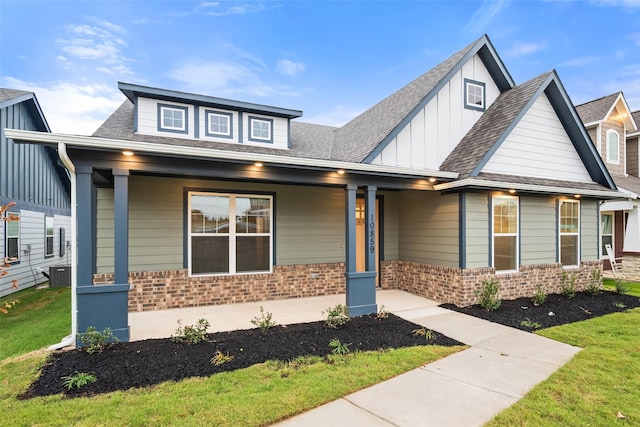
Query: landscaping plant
{"x": 568, "y": 284}
{"x": 595, "y": 283}
{"x": 426, "y": 333}
{"x": 540, "y": 296}
{"x": 528, "y": 323}
{"x": 191, "y": 333}
{"x": 336, "y": 316}
{"x": 220, "y": 358}
{"x": 621, "y": 287}
{"x": 339, "y": 348}
{"x": 79, "y": 379}
{"x": 95, "y": 341}
{"x": 264, "y": 321}
{"x": 488, "y": 295}
{"x": 382, "y": 313}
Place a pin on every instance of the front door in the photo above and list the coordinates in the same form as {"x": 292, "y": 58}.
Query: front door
{"x": 360, "y": 240}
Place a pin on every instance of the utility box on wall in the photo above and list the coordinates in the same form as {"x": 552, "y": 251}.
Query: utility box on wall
{"x": 60, "y": 275}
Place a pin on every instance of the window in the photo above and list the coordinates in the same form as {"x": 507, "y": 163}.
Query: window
{"x": 229, "y": 233}
{"x": 606, "y": 231}
{"x": 218, "y": 124}
{"x": 12, "y": 238}
{"x": 48, "y": 236}
{"x": 569, "y": 223}
{"x": 474, "y": 95}
{"x": 260, "y": 129}
{"x": 613, "y": 147}
{"x": 172, "y": 118}
{"x": 505, "y": 233}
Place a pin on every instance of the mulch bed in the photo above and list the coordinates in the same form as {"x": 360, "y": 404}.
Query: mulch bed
{"x": 556, "y": 310}
{"x": 143, "y": 363}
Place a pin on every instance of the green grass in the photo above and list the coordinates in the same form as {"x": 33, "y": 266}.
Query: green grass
{"x": 590, "y": 390}
{"x": 41, "y": 318}
{"x": 634, "y": 287}
{"x": 259, "y": 395}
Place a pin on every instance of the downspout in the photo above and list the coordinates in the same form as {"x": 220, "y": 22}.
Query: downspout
{"x": 68, "y": 164}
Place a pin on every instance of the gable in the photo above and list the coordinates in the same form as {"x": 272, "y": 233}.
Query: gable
{"x": 539, "y": 146}
{"x": 430, "y": 136}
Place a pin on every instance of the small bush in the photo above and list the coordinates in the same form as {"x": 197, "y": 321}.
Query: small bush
{"x": 79, "y": 379}
{"x": 540, "y": 296}
{"x": 264, "y": 321}
{"x": 488, "y": 295}
{"x": 621, "y": 287}
{"x": 527, "y": 323}
{"x": 220, "y": 358}
{"x": 568, "y": 284}
{"x": 338, "y": 348}
{"x": 191, "y": 333}
{"x": 336, "y": 316}
{"x": 595, "y": 283}
{"x": 96, "y": 341}
{"x": 618, "y": 304}
{"x": 382, "y": 313}
{"x": 428, "y": 334}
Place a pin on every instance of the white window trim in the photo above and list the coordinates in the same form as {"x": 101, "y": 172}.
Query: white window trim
{"x": 225, "y": 116}
{"x": 494, "y": 234}
{"x": 269, "y": 123}
{"x": 162, "y": 126}
{"x": 231, "y": 234}
{"x": 609, "y": 159}
{"x": 603, "y": 255}
{"x": 7, "y": 237}
{"x": 483, "y": 98}
{"x": 47, "y": 236}
{"x": 560, "y": 233}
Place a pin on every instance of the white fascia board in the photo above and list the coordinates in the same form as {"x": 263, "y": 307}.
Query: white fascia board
{"x": 628, "y": 193}
{"x": 591, "y": 124}
{"x": 632, "y": 134}
{"x": 209, "y": 153}
{"x": 505, "y": 186}
{"x": 616, "y": 205}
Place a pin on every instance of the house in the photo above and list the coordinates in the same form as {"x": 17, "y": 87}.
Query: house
{"x": 458, "y": 177}
{"x": 614, "y": 130}
{"x": 31, "y": 177}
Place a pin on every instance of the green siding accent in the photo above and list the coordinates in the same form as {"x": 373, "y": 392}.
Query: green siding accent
{"x": 538, "y": 225}
{"x": 428, "y": 228}
{"x": 477, "y": 230}
{"x": 589, "y": 224}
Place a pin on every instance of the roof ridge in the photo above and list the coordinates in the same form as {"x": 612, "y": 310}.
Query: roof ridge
{"x": 599, "y": 99}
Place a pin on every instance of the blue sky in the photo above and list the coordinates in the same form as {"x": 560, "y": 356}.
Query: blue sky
{"x": 330, "y": 59}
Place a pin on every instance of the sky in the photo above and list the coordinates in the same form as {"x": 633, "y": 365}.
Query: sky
{"x": 330, "y": 59}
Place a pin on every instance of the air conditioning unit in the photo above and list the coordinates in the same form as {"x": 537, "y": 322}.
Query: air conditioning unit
{"x": 60, "y": 275}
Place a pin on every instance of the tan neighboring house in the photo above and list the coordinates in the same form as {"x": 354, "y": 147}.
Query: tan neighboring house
{"x": 614, "y": 131}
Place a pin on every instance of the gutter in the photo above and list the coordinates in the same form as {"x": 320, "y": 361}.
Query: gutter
{"x": 68, "y": 164}
{"x": 211, "y": 153}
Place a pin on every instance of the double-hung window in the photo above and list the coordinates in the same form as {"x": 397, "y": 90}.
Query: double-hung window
{"x": 505, "y": 233}
{"x": 48, "y": 236}
{"x": 230, "y": 233}
{"x": 219, "y": 124}
{"x": 569, "y": 230}
{"x": 613, "y": 147}
{"x": 172, "y": 118}
{"x": 12, "y": 238}
{"x": 260, "y": 129}
{"x": 606, "y": 231}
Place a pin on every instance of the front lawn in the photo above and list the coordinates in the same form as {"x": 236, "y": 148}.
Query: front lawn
{"x": 633, "y": 287}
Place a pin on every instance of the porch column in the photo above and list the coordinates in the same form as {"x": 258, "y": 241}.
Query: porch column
{"x": 632, "y": 234}
{"x": 99, "y": 306}
{"x": 361, "y": 286}
{"x": 121, "y": 225}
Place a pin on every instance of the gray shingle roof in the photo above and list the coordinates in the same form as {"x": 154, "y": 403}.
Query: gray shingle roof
{"x": 542, "y": 181}
{"x": 596, "y": 110}
{"x": 475, "y": 145}
{"x": 636, "y": 118}
{"x": 630, "y": 183}
{"x": 8, "y": 94}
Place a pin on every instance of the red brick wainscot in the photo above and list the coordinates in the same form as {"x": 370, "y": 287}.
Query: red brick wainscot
{"x": 457, "y": 286}
{"x": 159, "y": 290}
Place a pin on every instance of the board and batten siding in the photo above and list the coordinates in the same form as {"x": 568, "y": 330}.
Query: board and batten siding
{"x": 428, "y": 228}
{"x": 589, "y": 230}
{"x": 477, "y": 229}
{"x": 538, "y": 230}
{"x": 427, "y": 140}
{"x": 539, "y": 147}
{"x": 32, "y": 234}
{"x": 309, "y": 222}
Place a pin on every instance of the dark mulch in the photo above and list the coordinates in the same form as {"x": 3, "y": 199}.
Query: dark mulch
{"x": 143, "y": 363}
{"x": 556, "y": 310}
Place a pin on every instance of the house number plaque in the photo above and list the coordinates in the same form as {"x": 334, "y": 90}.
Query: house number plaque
{"x": 372, "y": 235}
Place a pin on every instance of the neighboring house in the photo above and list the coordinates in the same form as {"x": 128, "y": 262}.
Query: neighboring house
{"x": 458, "y": 177}
{"x": 31, "y": 177}
{"x": 614, "y": 130}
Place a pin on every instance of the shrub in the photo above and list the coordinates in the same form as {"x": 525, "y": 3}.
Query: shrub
{"x": 595, "y": 283}
{"x": 191, "y": 333}
{"x": 220, "y": 358}
{"x": 264, "y": 321}
{"x": 382, "y": 313}
{"x": 336, "y": 316}
{"x": 95, "y": 341}
{"x": 428, "y": 334}
{"x": 622, "y": 287}
{"x": 338, "y": 348}
{"x": 527, "y": 323}
{"x": 488, "y": 295}
{"x": 568, "y": 284}
{"x": 79, "y": 379}
{"x": 540, "y": 296}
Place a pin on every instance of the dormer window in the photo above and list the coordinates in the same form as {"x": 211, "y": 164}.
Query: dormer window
{"x": 172, "y": 118}
{"x": 474, "y": 95}
{"x": 219, "y": 124}
{"x": 260, "y": 129}
{"x": 613, "y": 147}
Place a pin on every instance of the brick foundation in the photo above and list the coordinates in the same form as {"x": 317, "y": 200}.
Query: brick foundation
{"x": 457, "y": 286}
{"x": 631, "y": 266}
{"x": 159, "y": 290}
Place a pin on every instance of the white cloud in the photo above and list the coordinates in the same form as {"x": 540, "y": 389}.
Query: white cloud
{"x": 580, "y": 61}
{"x": 290, "y": 68}
{"x": 212, "y": 8}
{"x": 616, "y": 3}
{"x": 337, "y": 116}
{"x": 484, "y": 15}
{"x": 72, "y": 108}
{"x": 523, "y": 49}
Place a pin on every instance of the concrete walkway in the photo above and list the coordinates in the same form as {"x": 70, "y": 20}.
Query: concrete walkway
{"x": 465, "y": 389}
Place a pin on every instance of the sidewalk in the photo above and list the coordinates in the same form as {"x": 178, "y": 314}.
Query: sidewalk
{"x": 465, "y": 389}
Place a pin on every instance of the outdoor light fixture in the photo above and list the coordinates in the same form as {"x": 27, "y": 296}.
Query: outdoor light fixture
{"x": 127, "y": 153}
{"x": 432, "y": 180}
{"x": 340, "y": 171}
{"x": 577, "y": 196}
{"x": 258, "y": 164}
{"x": 512, "y": 191}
